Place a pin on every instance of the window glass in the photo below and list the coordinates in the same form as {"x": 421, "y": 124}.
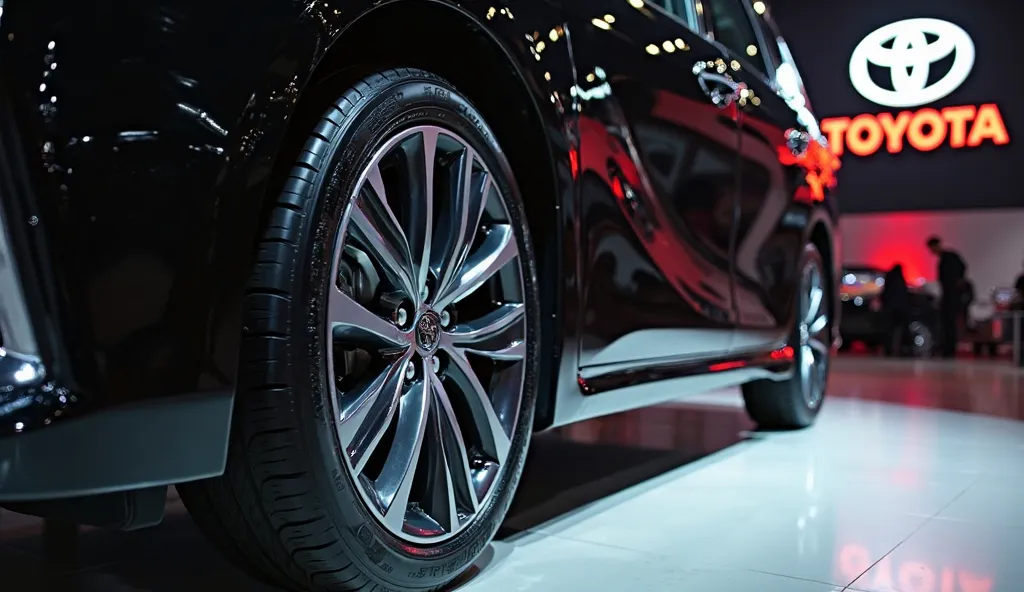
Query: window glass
{"x": 681, "y": 9}
{"x": 733, "y": 29}
{"x": 686, "y": 10}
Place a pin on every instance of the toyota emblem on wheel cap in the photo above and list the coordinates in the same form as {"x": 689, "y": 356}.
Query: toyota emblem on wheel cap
{"x": 428, "y": 331}
{"x": 904, "y": 49}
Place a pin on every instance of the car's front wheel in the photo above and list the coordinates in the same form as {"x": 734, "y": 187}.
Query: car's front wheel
{"x": 387, "y": 372}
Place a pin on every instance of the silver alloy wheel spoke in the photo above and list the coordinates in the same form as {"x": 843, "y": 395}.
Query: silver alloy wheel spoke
{"x": 353, "y": 323}
{"x": 425, "y": 436}
{"x": 375, "y": 224}
{"x": 807, "y": 373}
{"x": 500, "y": 335}
{"x": 394, "y": 485}
{"x": 497, "y": 249}
{"x": 815, "y": 300}
{"x": 420, "y": 159}
{"x": 496, "y": 439}
{"x": 456, "y": 454}
{"x": 814, "y": 329}
{"x": 817, "y": 347}
{"x": 441, "y": 506}
{"x": 367, "y": 411}
{"x": 458, "y": 226}
{"x": 817, "y": 326}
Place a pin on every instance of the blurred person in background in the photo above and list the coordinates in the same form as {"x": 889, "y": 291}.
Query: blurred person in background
{"x": 952, "y": 273}
{"x": 896, "y": 310}
{"x": 1017, "y": 307}
{"x": 966, "y": 300}
{"x": 1018, "y": 293}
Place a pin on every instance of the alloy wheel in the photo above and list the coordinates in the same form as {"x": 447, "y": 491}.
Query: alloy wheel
{"x": 814, "y": 331}
{"x": 921, "y": 340}
{"x": 426, "y": 323}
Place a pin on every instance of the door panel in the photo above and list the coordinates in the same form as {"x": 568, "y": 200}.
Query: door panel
{"x": 772, "y": 202}
{"x": 657, "y": 183}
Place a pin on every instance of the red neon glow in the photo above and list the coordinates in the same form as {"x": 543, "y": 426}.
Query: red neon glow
{"x": 907, "y": 576}
{"x": 923, "y": 130}
{"x": 617, "y": 188}
{"x": 723, "y": 366}
{"x": 784, "y": 353}
{"x": 882, "y": 240}
{"x": 820, "y": 165}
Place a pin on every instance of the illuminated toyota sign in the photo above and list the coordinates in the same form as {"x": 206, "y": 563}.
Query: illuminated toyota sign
{"x": 920, "y": 99}
{"x": 907, "y": 50}
{"x": 904, "y": 50}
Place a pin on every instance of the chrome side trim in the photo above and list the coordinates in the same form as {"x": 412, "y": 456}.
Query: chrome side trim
{"x": 15, "y": 326}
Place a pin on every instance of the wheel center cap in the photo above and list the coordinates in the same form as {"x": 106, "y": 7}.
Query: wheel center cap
{"x": 428, "y": 331}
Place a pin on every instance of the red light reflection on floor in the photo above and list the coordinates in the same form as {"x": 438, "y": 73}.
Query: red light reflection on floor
{"x": 907, "y": 576}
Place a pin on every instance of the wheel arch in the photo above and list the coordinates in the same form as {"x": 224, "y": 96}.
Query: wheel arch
{"x": 492, "y": 70}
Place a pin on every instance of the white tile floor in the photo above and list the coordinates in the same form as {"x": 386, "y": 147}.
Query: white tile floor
{"x": 875, "y": 498}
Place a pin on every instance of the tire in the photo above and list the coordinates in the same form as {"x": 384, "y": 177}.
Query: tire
{"x": 794, "y": 403}
{"x": 308, "y": 502}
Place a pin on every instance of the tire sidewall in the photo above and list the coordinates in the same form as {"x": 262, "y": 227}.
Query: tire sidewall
{"x": 408, "y": 102}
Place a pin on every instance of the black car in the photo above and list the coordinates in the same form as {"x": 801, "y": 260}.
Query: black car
{"x": 863, "y": 319}
{"x": 326, "y": 266}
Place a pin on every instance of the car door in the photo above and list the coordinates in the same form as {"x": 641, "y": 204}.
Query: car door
{"x": 656, "y": 182}
{"x": 773, "y": 202}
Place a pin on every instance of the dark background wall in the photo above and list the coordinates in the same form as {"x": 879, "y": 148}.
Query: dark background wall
{"x": 822, "y": 37}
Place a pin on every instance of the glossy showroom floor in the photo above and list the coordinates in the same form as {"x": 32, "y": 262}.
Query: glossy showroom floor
{"x": 910, "y": 482}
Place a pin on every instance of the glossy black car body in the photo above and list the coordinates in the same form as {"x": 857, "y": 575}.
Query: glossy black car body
{"x": 140, "y": 145}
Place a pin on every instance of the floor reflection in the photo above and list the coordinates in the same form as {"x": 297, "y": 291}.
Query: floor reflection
{"x": 578, "y": 464}
{"x": 987, "y": 387}
{"x": 684, "y": 497}
{"x": 567, "y": 469}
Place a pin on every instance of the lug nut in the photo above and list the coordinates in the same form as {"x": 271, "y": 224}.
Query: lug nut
{"x": 399, "y": 307}
{"x": 410, "y": 371}
{"x": 446, "y": 318}
{"x": 401, "y": 316}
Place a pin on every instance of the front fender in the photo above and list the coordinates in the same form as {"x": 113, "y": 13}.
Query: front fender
{"x": 151, "y": 157}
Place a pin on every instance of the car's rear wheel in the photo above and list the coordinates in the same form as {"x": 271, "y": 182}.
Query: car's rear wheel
{"x": 795, "y": 402}
{"x": 387, "y": 374}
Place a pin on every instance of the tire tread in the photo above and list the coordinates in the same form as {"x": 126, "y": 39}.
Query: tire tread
{"x": 264, "y": 512}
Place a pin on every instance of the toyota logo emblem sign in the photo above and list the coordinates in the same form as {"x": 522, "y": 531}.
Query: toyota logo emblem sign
{"x": 909, "y": 59}
{"x": 909, "y": 51}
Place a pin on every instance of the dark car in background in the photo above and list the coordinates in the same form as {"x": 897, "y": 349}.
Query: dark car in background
{"x": 326, "y": 266}
{"x": 864, "y": 321}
